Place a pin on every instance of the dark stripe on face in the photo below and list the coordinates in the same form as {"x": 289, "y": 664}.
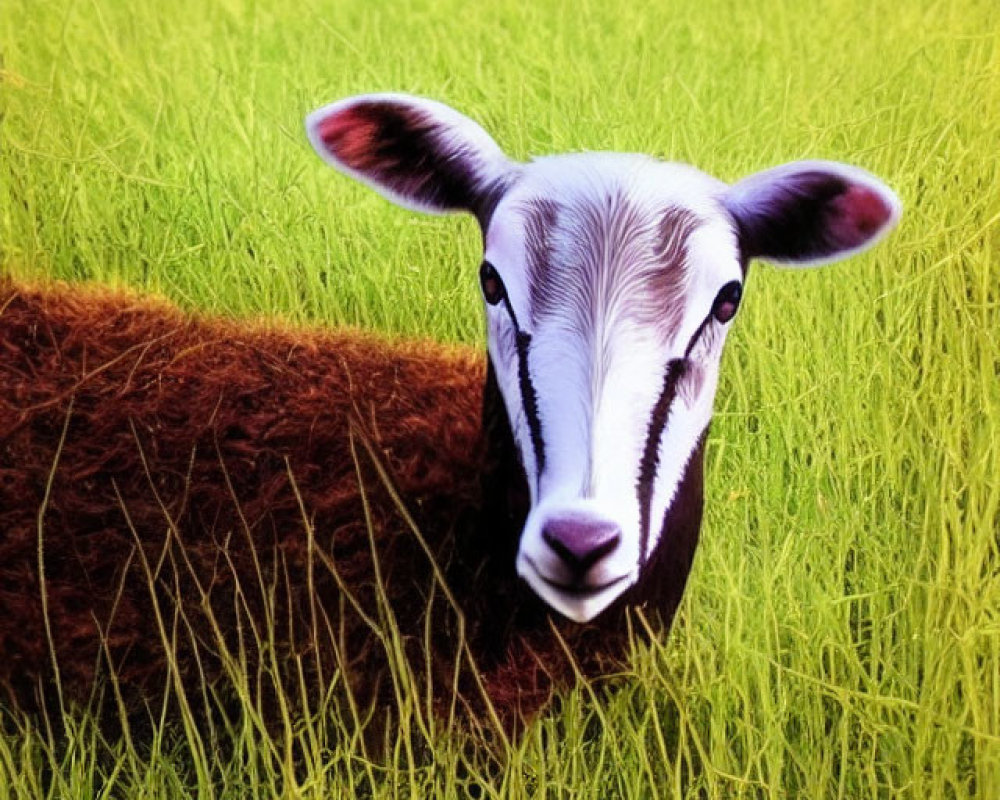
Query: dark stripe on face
{"x": 650, "y": 462}
{"x": 529, "y": 398}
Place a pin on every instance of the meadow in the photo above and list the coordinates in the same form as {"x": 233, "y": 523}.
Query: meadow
{"x": 840, "y": 636}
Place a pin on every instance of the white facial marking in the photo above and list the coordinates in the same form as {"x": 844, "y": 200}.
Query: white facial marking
{"x": 633, "y": 257}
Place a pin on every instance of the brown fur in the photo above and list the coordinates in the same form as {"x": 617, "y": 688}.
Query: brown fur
{"x": 186, "y": 440}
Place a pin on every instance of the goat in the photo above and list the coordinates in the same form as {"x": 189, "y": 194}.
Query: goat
{"x": 142, "y": 448}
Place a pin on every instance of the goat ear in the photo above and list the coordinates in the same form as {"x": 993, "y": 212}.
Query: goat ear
{"x": 419, "y": 153}
{"x": 811, "y": 212}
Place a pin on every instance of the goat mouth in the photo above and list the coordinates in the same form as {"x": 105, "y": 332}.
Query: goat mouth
{"x": 575, "y": 589}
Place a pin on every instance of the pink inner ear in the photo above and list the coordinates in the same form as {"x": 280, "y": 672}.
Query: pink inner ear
{"x": 859, "y": 213}
{"x": 350, "y": 136}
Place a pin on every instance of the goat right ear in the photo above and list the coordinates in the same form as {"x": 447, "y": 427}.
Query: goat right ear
{"x": 809, "y": 213}
{"x": 418, "y": 153}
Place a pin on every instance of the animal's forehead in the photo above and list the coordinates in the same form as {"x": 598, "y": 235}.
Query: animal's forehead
{"x": 610, "y": 236}
{"x": 582, "y": 182}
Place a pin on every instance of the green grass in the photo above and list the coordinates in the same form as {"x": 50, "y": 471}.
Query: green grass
{"x": 841, "y": 633}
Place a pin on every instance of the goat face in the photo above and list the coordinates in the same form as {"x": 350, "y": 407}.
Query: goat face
{"x": 610, "y": 282}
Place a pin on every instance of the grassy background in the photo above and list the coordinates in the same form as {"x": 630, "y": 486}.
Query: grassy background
{"x": 841, "y": 633}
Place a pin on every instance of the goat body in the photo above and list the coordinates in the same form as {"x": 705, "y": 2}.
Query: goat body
{"x": 193, "y": 487}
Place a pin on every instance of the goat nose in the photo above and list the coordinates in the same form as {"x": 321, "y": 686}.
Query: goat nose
{"x": 580, "y": 543}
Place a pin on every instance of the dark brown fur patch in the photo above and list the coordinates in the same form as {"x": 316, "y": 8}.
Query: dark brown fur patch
{"x": 194, "y": 451}
{"x": 183, "y": 438}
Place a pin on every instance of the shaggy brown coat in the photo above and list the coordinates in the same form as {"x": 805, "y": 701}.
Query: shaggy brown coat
{"x": 244, "y": 472}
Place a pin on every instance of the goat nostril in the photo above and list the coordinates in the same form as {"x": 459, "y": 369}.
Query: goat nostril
{"x": 581, "y": 543}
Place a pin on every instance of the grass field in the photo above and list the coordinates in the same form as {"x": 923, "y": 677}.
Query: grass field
{"x": 841, "y": 632}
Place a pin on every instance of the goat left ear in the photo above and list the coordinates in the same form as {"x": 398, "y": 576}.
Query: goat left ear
{"x": 811, "y": 212}
{"x": 419, "y": 153}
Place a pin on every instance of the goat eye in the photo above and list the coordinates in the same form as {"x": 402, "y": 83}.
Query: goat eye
{"x": 493, "y": 288}
{"x": 727, "y": 301}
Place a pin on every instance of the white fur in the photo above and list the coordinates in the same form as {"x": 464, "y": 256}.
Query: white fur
{"x": 607, "y": 435}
